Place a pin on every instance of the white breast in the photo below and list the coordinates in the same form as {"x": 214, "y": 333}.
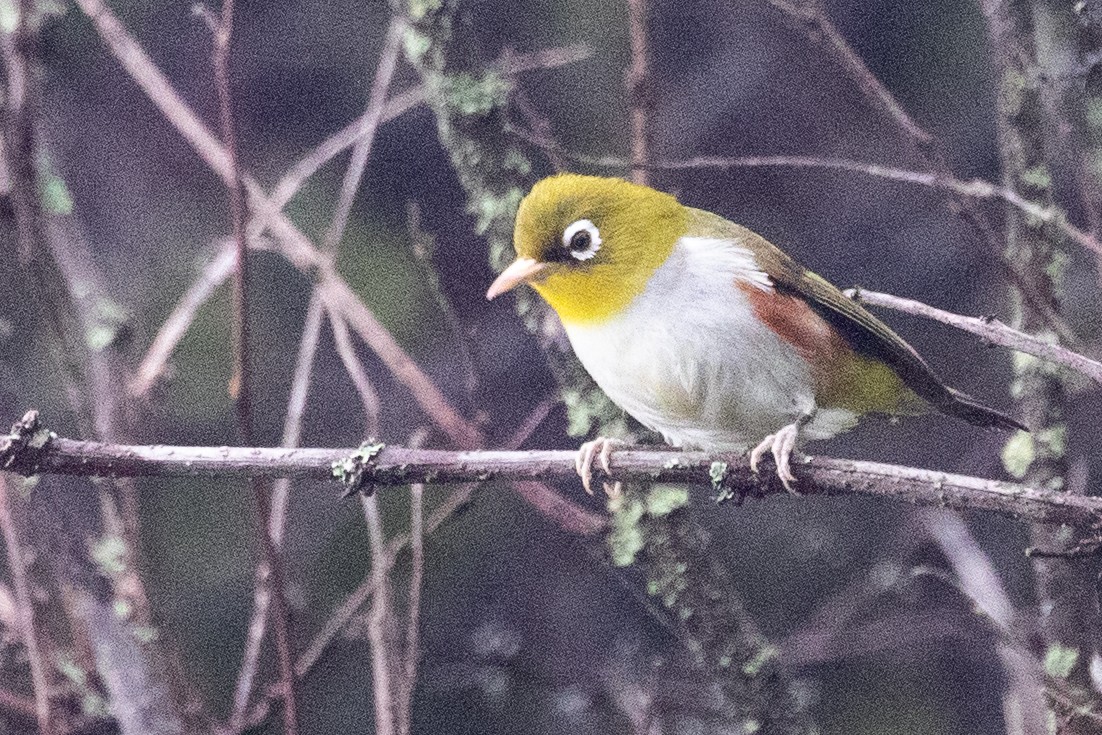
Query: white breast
{"x": 689, "y": 359}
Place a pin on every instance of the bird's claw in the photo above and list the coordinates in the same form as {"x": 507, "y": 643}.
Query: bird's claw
{"x": 600, "y": 449}
{"x": 781, "y": 445}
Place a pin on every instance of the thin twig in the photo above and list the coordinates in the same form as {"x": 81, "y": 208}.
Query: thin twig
{"x": 897, "y": 629}
{"x": 367, "y": 124}
{"x": 296, "y": 246}
{"x": 262, "y": 594}
{"x": 973, "y": 188}
{"x": 361, "y": 381}
{"x": 19, "y": 704}
{"x": 835, "y": 616}
{"x": 25, "y": 610}
{"x": 818, "y": 27}
{"x": 535, "y": 417}
{"x": 445, "y": 510}
{"x": 269, "y": 573}
{"x": 296, "y": 407}
{"x": 215, "y": 272}
{"x": 639, "y": 89}
{"x": 156, "y": 358}
{"x": 990, "y": 329}
{"x": 411, "y": 650}
{"x": 821, "y": 30}
{"x": 240, "y": 382}
{"x": 423, "y": 245}
{"x": 400, "y": 466}
{"x": 297, "y": 175}
{"x": 384, "y": 73}
{"x": 381, "y": 622}
{"x": 1024, "y": 699}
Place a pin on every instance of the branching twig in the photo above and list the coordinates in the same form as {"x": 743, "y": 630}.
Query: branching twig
{"x": 295, "y": 245}
{"x": 215, "y": 272}
{"x": 818, "y": 27}
{"x": 262, "y": 594}
{"x": 990, "y": 329}
{"x": 364, "y": 135}
{"x": 399, "y": 466}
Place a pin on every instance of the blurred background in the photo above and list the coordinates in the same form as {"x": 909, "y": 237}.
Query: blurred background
{"x": 526, "y": 628}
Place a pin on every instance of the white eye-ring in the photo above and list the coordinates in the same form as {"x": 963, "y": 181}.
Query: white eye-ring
{"x": 582, "y": 239}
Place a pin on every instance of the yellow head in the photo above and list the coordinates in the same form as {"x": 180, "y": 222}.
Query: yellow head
{"x": 589, "y": 244}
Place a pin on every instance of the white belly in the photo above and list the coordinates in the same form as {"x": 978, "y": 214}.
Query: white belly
{"x": 688, "y": 359}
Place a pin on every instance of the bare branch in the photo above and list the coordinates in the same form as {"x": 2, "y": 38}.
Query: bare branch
{"x": 990, "y": 329}
{"x": 384, "y": 72}
{"x": 822, "y": 31}
{"x": 398, "y": 466}
{"x": 411, "y": 649}
{"x": 25, "y": 613}
{"x": 819, "y": 28}
{"x": 1024, "y": 698}
{"x": 638, "y": 83}
{"x": 361, "y": 381}
{"x": 363, "y": 134}
{"x": 153, "y": 364}
{"x": 269, "y": 572}
{"x": 381, "y": 622}
{"x": 216, "y": 271}
{"x": 296, "y": 246}
{"x": 972, "y": 188}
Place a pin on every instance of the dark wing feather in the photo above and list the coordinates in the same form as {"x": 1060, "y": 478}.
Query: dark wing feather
{"x": 864, "y": 333}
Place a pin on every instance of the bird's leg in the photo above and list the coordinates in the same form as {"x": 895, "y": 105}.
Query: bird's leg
{"x": 599, "y": 449}
{"x": 781, "y": 445}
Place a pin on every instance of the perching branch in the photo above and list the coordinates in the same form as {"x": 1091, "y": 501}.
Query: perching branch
{"x": 31, "y": 450}
{"x": 990, "y": 329}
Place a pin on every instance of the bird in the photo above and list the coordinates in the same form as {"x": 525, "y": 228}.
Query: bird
{"x": 707, "y": 333}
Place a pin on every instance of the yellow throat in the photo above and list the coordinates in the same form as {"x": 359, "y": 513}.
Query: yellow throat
{"x": 637, "y": 227}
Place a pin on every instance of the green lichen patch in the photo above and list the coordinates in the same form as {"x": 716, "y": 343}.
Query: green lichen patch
{"x": 1018, "y": 454}
{"x": 1060, "y": 660}
{"x": 665, "y": 499}
{"x": 762, "y": 657}
{"x": 355, "y": 472}
{"x": 625, "y": 539}
{"x": 467, "y": 94}
{"x": 56, "y": 198}
{"x": 109, "y": 555}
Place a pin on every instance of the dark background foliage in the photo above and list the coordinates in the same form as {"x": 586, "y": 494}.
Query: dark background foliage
{"x": 525, "y": 628}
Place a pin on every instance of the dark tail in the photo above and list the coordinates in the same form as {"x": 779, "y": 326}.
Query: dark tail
{"x": 965, "y": 407}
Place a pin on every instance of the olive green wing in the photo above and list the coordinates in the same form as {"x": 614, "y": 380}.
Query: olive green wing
{"x": 864, "y": 333}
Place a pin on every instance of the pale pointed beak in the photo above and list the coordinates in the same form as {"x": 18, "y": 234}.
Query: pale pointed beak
{"x": 521, "y": 270}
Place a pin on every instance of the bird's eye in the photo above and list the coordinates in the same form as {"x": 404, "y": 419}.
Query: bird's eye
{"x": 582, "y": 239}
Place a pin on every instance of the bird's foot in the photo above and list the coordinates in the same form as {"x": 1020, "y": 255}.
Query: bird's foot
{"x": 600, "y": 449}
{"x": 781, "y": 445}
